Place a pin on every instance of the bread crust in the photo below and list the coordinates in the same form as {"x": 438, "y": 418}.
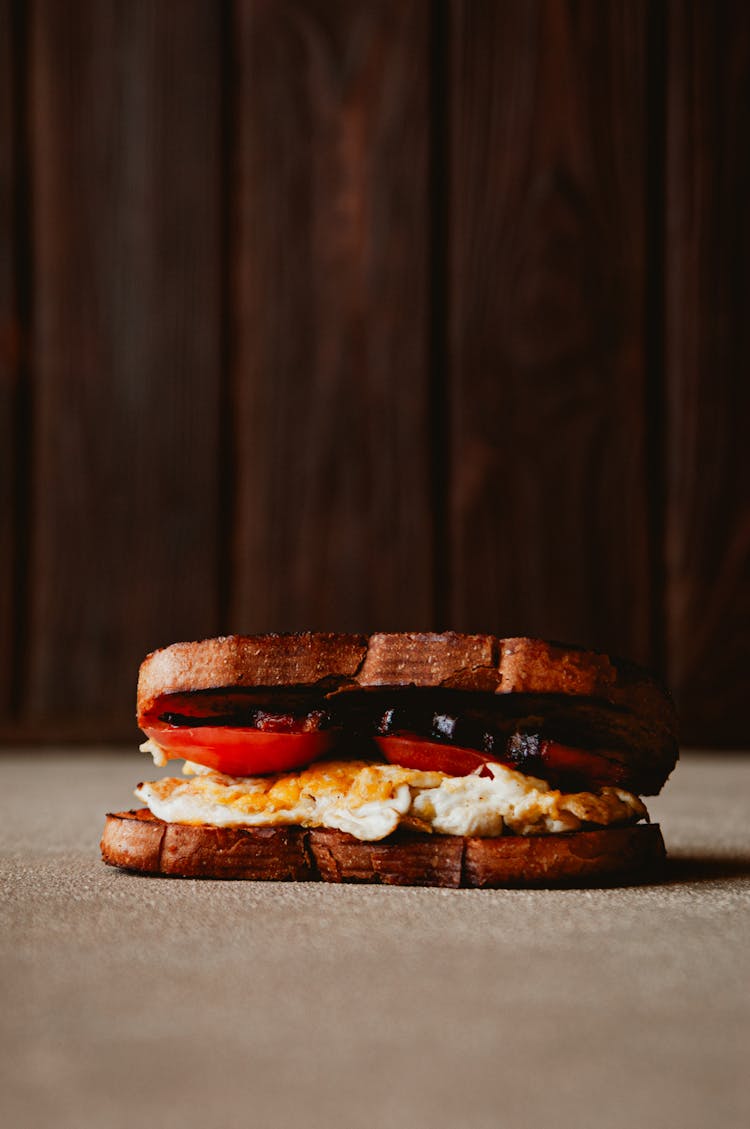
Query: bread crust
{"x": 311, "y": 660}
{"x": 485, "y": 663}
{"x": 139, "y": 841}
{"x": 511, "y": 666}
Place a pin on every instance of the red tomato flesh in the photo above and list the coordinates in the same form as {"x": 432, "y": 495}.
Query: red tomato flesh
{"x": 561, "y": 761}
{"x": 579, "y": 767}
{"x": 431, "y": 756}
{"x": 239, "y": 751}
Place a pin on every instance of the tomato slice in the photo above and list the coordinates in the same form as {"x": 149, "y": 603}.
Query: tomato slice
{"x": 431, "y": 756}
{"x": 573, "y": 766}
{"x": 240, "y": 751}
{"x": 562, "y": 763}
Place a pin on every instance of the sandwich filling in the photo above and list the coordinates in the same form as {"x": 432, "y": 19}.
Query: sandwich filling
{"x": 371, "y": 800}
{"x": 456, "y": 763}
{"x": 574, "y": 743}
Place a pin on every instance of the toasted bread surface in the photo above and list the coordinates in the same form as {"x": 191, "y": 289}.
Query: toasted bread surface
{"x": 138, "y": 841}
{"x": 511, "y": 666}
{"x": 307, "y": 660}
{"x": 485, "y": 663}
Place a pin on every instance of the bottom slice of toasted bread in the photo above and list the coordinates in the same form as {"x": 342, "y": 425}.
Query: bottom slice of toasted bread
{"x": 139, "y": 841}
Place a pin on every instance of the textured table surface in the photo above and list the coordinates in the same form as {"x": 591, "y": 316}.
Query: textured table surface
{"x": 130, "y": 1000}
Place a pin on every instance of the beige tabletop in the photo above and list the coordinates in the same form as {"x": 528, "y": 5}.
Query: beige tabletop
{"x": 129, "y": 1001}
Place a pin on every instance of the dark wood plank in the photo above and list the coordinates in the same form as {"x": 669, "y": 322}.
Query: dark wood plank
{"x": 127, "y": 196}
{"x": 330, "y": 350}
{"x": 548, "y": 399}
{"x": 9, "y": 354}
{"x": 707, "y": 349}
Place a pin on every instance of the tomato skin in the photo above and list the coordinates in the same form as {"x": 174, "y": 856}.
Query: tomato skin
{"x": 431, "y": 756}
{"x": 239, "y": 751}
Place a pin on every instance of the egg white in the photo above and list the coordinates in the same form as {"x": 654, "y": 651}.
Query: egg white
{"x": 371, "y": 800}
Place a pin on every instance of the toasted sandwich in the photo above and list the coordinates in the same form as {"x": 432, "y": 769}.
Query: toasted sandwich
{"x": 405, "y": 759}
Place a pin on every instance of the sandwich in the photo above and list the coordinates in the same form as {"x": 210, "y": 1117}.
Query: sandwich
{"x": 404, "y": 759}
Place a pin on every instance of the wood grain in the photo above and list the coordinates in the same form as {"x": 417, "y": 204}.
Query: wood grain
{"x": 707, "y": 346}
{"x": 9, "y": 353}
{"x": 333, "y": 519}
{"x": 371, "y": 315}
{"x": 126, "y": 137}
{"x": 549, "y": 505}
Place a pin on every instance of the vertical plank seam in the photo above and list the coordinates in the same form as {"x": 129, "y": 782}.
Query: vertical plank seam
{"x": 657, "y": 436}
{"x": 23, "y": 403}
{"x": 226, "y": 452}
{"x": 440, "y": 452}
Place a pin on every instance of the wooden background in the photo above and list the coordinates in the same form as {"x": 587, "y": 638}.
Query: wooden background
{"x": 372, "y": 313}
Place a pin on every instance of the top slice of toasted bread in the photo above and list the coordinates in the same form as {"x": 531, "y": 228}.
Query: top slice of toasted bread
{"x": 491, "y": 664}
{"x": 311, "y": 660}
{"x": 484, "y": 663}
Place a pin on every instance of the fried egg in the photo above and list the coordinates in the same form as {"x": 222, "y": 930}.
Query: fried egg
{"x": 371, "y": 800}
